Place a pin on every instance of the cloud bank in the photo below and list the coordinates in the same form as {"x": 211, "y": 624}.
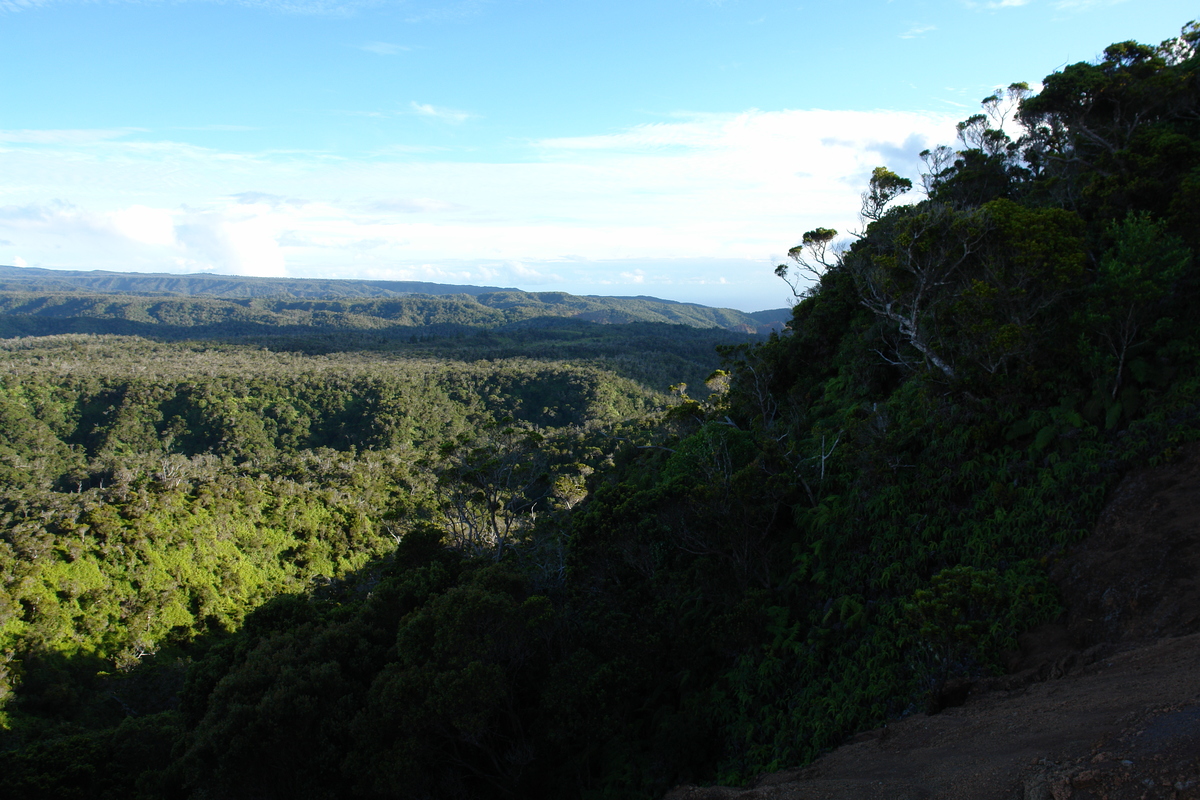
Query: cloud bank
{"x": 695, "y": 207}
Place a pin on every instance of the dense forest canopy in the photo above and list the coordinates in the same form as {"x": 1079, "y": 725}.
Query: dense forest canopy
{"x": 238, "y": 570}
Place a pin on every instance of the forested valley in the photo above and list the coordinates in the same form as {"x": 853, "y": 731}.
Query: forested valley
{"x": 543, "y": 557}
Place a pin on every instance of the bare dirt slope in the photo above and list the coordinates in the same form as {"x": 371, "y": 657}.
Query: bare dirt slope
{"x": 1103, "y": 704}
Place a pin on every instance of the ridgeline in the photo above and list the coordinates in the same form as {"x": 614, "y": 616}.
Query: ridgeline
{"x": 39, "y": 302}
{"x": 314, "y": 547}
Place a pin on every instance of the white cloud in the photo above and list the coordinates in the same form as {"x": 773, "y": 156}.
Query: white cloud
{"x": 19, "y": 262}
{"x": 1084, "y": 5}
{"x": 229, "y": 237}
{"x": 696, "y": 131}
{"x": 526, "y": 274}
{"x": 676, "y": 205}
{"x": 154, "y": 226}
{"x": 242, "y": 240}
{"x": 219, "y": 128}
{"x": 917, "y": 31}
{"x": 415, "y": 205}
{"x": 53, "y": 215}
{"x": 20, "y": 5}
{"x": 994, "y": 4}
{"x": 321, "y": 7}
{"x": 393, "y": 150}
{"x": 64, "y": 137}
{"x": 383, "y": 48}
{"x": 440, "y": 10}
{"x": 266, "y": 199}
{"x": 450, "y": 115}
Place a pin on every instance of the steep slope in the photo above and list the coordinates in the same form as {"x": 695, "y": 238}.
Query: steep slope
{"x": 1105, "y": 703}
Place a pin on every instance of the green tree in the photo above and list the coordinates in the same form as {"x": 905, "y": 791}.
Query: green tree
{"x": 1130, "y": 302}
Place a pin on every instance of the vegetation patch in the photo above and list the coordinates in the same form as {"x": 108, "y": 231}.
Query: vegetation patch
{"x": 505, "y": 561}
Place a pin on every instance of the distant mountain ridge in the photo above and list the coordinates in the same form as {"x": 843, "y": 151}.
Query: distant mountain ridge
{"x": 30, "y": 298}
{"x": 35, "y": 279}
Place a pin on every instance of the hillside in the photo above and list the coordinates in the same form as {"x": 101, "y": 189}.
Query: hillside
{"x": 41, "y": 302}
{"x": 53, "y": 281}
{"x": 307, "y": 558}
{"x": 1102, "y": 704}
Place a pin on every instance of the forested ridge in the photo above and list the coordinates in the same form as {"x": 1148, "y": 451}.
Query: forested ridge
{"x": 269, "y": 569}
{"x": 53, "y": 281}
{"x": 205, "y": 307}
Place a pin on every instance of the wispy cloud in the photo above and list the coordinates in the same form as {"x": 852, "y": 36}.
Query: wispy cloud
{"x": 696, "y": 132}
{"x": 65, "y": 137}
{"x": 451, "y": 115}
{"x": 521, "y": 272}
{"x": 995, "y": 4}
{"x": 322, "y": 7}
{"x": 415, "y": 205}
{"x": 442, "y": 10}
{"x": 319, "y": 7}
{"x": 917, "y": 31}
{"x": 267, "y": 199}
{"x": 35, "y": 214}
{"x": 1084, "y": 5}
{"x": 216, "y": 128}
{"x": 20, "y": 5}
{"x": 396, "y": 149}
{"x": 383, "y": 48}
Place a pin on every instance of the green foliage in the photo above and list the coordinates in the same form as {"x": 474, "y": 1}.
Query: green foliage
{"x": 1118, "y": 135}
{"x": 198, "y": 309}
{"x": 1132, "y": 302}
{"x": 957, "y": 619}
{"x": 126, "y": 761}
{"x": 447, "y": 568}
{"x": 884, "y": 187}
{"x": 158, "y": 493}
{"x": 954, "y": 443}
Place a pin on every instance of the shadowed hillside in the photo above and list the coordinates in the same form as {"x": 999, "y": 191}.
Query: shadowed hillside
{"x": 344, "y": 552}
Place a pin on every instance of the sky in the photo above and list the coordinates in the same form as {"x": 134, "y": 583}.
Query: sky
{"x": 670, "y": 148}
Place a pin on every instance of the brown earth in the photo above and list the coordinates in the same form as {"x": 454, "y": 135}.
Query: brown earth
{"x": 1102, "y": 705}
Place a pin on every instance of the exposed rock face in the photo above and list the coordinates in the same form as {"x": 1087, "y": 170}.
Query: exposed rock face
{"x": 1103, "y": 705}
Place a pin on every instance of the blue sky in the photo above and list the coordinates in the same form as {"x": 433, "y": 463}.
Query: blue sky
{"x": 674, "y": 148}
